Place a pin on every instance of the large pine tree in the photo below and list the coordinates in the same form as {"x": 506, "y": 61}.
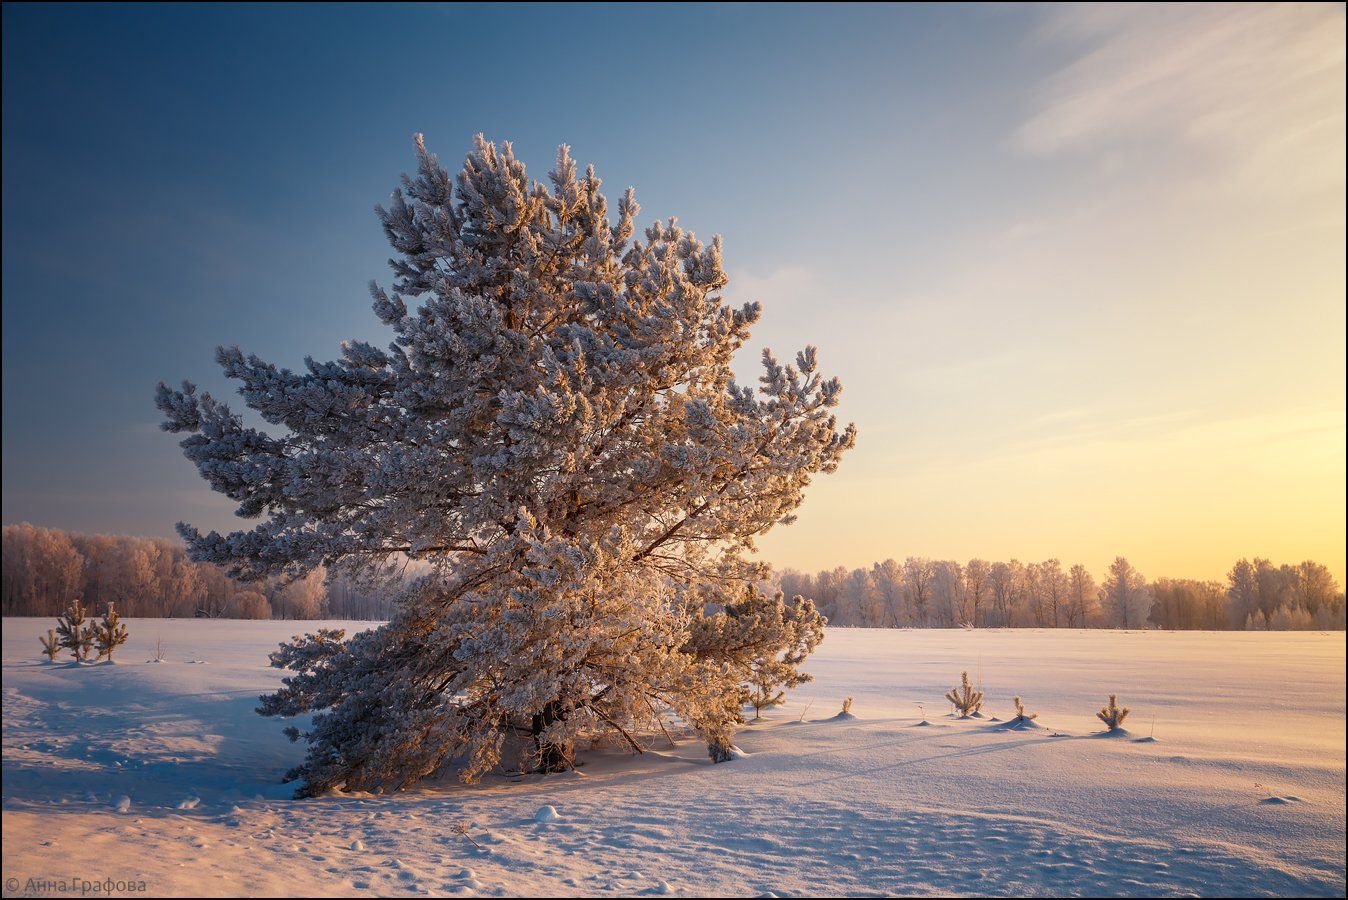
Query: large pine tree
{"x": 555, "y": 429}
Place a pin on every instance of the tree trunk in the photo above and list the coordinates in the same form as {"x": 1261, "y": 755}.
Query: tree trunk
{"x": 553, "y": 756}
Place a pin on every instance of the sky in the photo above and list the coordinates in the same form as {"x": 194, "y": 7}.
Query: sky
{"x": 1081, "y": 269}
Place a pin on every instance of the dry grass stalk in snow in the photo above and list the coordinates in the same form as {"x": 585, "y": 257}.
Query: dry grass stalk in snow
{"x": 1021, "y": 715}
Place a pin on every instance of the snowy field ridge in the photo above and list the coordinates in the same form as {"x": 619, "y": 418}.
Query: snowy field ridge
{"x": 1227, "y": 780}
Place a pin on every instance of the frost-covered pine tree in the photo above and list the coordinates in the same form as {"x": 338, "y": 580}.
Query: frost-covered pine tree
{"x": 51, "y": 645}
{"x": 109, "y": 634}
{"x": 965, "y": 698}
{"x": 75, "y": 631}
{"x": 556, "y": 430}
{"x": 786, "y": 637}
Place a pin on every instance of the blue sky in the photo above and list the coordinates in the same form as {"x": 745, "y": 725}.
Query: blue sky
{"x": 1065, "y": 260}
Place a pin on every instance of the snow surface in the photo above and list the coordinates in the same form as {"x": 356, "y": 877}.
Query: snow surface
{"x": 164, "y": 773}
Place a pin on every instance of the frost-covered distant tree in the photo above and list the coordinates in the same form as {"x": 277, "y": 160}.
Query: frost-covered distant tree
{"x": 917, "y": 578}
{"x": 862, "y": 600}
{"x": 1272, "y": 586}
{"x": 1313, "y": 586}
{"x": 249, "y": 605}
{"x": 1124, "y": 594}
{"x": 977, "y": 574}
{"x": 947, "y": 594}
{"x": 556, "y": 431}
{"x": 1003, "y": 579}
{"x": 1242, "y": 597}
{"x": 41, "y": 571}
{"x": 1083, "y": 600}
{"x": 109, "y": 634}
{"x": 1033, "y": 606}
{"x": 887, "y": 576}
{"x": 1054, "y": 585}
{"x": 1183, "y": 603}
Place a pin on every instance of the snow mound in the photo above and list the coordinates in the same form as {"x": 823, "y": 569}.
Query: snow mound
{"x": 189, "y": 803}
{"x": 547, "y": 814}
{"x": 122, "y": 804}
{"x": 1019, "y": 725}
{"x": 842, "y": 717}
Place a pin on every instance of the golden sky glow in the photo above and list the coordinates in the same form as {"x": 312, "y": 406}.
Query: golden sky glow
{"x": 1147, "y": 358}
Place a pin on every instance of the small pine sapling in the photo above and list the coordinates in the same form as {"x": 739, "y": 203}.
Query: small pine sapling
{"x": 846, "y": 713}
{"x": 1021, "y": 715}
{"x": 50, "y": 645}
{"x": 110, "y": 633}
{"x": 763, "y": 694}
{"x": 1112, "y": 715}
{"x": 965, "y": 698}
{"x": 75, "y": 631}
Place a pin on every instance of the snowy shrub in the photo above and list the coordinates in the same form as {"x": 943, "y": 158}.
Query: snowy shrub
{"x": 109, "y": 634}
{"x": 556, "y": 431}
{"x": 50, "y": 645}
{"x": 1111, "y": 715}
{"x": 1290, "y": 618}
{"x": 75, "y": 631}
{"x": 847, "y": 706}
{"x": 965, "y": 698}
{"x": 1022, "y": 716}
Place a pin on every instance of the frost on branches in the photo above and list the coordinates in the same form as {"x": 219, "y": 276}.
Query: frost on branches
{"x": 555, "y": 430}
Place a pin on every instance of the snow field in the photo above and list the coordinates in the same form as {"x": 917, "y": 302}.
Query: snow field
{"x": 1230, "y": 779}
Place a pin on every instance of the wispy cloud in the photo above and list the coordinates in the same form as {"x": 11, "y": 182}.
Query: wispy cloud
{"x": 1259, "y": 90}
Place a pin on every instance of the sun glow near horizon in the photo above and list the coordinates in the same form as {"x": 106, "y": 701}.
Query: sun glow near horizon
{"x": 1145, "y": 359}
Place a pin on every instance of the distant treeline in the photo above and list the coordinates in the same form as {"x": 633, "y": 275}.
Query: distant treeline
{"x": 942, "y": 593}
{"x": 44, "y": 569}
